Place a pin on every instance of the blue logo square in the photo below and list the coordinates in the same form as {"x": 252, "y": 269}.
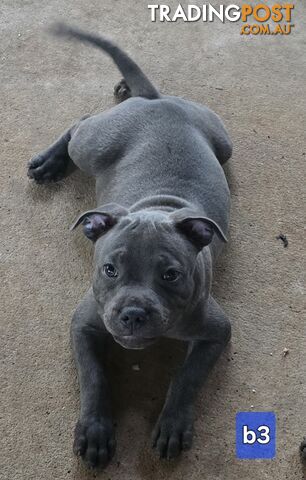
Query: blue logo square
{"x": 255, "y": 435}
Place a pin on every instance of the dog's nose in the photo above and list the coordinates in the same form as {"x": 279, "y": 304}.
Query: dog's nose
{"x": 133, "y": 317}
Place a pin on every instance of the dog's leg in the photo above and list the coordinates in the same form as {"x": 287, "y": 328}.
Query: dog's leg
{"x": 174, "y": 429}
{"x": 122, "y": 91}
{"x": 94, "y": 433}
{"x": 52, "y": 164}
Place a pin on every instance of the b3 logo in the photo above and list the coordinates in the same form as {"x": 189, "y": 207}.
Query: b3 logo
{"x": 255, "y": 435}
{"x": 249, "y": 436}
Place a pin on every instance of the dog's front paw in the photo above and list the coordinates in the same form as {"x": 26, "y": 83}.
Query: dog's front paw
{"x": 94, "y": 441}
{"x": 303, "y": 448}
{"x": 173, "y": 433}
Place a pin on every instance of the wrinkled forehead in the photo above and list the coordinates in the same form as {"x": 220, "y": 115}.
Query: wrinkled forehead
{"x": 145, "y": 237}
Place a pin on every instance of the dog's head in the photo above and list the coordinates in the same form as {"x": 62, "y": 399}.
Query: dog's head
{"x": 147, "y": 272}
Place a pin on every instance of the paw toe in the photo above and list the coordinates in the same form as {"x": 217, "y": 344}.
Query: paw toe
{"x": 187, "y": 439}
{"x": 174, "y": 447}
{"x": 35, "y": 162}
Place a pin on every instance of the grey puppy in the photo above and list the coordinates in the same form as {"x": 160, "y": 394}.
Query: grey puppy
{"x": 162, "y": 215}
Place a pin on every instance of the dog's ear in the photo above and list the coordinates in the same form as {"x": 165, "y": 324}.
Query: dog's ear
{"x": 99, "y": 221}
{"x": 199, "y": 230}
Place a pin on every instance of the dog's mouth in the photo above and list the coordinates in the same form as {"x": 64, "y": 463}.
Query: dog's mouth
{"x": 134, "y": 343}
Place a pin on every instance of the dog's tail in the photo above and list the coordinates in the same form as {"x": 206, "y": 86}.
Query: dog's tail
{"x": 137, "y": 81}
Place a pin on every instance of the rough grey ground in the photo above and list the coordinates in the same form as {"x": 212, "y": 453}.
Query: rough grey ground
{"x": 257, "y": 84}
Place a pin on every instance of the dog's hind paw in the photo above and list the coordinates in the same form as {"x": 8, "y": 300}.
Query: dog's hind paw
{"x": 47, "y": 168}
{"x": 122, "y": 91}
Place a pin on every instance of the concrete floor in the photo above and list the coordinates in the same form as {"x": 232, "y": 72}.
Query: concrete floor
{"x": 257, "y": 85}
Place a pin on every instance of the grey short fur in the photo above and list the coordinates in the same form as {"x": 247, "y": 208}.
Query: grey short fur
{"x": 162, "y": 215}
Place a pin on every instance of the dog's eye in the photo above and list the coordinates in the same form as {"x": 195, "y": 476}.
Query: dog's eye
{"x": 171, "y": 275}
{"x": 110, "y": 270}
